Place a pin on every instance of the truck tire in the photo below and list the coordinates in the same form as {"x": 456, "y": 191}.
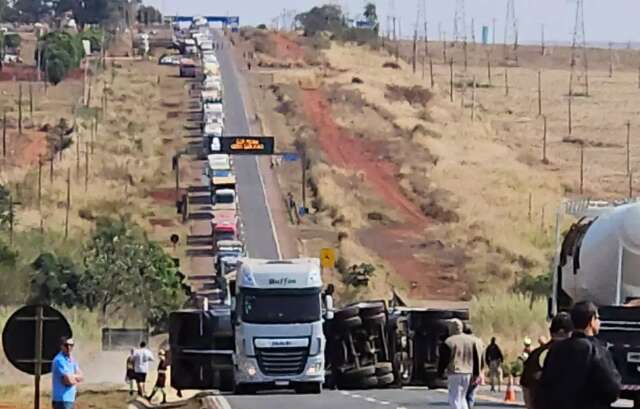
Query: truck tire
{"x": 359, "y": 373}
{"x": 350, "y": 323}
{"x": 386, "y": 380}
{"x": 364, "y": 383}
{"x": 383, "y": 368}
{"x": 346, "y": 313}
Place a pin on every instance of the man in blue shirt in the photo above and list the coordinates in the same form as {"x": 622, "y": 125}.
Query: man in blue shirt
{"x": 65, "y": 375}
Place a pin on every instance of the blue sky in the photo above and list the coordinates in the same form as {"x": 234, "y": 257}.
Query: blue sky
{"x": 606, "y": 20}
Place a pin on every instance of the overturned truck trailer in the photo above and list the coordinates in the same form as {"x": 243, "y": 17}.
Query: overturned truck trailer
{"x": 372, "y": 346}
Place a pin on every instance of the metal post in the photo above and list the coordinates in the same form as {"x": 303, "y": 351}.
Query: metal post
{"x": 303, "y": 159}
{"x": 451, "y": 79}
{"x": 554, "y": 298}
{"x": 86, "y": 167}
{"x": 4, "y": 133}
{"x": 10, "y": 219}
{"x": 544, "y": 140}
{"x": 66, "y": 218}
{"x": 39, "y": 182}
{"x": 628, "y": 147}
{"x": 38, "y": 355}
{"x": 177, "y": 176}
{"x": 539, "y": 92}
{"x": 20, "y": 109}
{"x": 581, "y": 168}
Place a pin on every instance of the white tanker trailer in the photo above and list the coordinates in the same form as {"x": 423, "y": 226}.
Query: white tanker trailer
{"x": 599, "y": 261}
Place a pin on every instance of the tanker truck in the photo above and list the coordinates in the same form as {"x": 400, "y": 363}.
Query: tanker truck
{"x": 599, "y": 261}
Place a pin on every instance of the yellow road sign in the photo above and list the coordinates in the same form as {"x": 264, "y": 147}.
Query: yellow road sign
{"x": 328, "y": 257}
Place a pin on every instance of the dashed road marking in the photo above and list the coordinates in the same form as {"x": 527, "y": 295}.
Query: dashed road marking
{"x": 372, "y": 400}
{"x": 384, "y": 402}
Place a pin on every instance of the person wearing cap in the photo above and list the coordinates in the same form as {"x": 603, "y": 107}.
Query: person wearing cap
{"x": 65, "y": 376}
{"x": 457, "y": 358}
{"x": 162, "y": 377}
{"x": 561, "y": 328}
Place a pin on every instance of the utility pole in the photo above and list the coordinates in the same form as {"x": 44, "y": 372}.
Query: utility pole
{"x": 20, "y": 109}
{"x": 66, "y": 217}
{"x": 542, "y": 40}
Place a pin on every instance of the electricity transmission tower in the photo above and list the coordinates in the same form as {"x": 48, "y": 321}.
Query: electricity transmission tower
{"x": 511, "y": 33}
{"x": 579, "y": 62}
{"x": 459, "y": 22}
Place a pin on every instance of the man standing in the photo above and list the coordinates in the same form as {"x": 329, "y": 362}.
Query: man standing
{"x": 65, "y": 375}
{"x": 560, "y": 329}
{"x": 141, "y": 359}
{"x": 457, "y": 359}
{"x": 130, "y": 375}
{"x": 579, "y": 372}
{"x": 494, "y": 359}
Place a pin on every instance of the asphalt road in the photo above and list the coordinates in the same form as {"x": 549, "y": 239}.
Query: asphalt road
{"x": 257, "y": 228}
{"x": 407, "y": 398}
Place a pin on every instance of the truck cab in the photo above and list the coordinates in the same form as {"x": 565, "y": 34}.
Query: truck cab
{"x": 278, "y": 320}
{"x": 224, "y": 226}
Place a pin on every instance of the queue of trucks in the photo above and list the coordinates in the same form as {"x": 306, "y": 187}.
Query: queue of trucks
{"x": 263, "y": 324}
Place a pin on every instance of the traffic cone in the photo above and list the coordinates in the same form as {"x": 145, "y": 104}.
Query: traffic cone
{"x": 510, "y": 393}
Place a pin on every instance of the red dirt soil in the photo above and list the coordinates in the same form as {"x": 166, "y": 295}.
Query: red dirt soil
{"x": 398, "y": 244}
{"x": 286, "y": 48}
{"x": 26, "y": 149}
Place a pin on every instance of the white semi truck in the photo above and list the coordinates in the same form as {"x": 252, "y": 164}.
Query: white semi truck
{"x": 599, "y": 261}
{"x": 278, "y": 320}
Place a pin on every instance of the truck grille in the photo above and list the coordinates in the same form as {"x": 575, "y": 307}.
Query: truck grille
{"x": 282, "y": 361}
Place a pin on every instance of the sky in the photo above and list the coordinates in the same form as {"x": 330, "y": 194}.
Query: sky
{"x": 605, "y": 20}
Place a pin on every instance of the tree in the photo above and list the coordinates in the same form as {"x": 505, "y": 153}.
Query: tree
{"x": 324, "y": 18}
{"x": 359, "y": 275}
{"x": 371, "y": 14}
{"x": 124, "y": 269}
{"x": 30, "y": 11}
{"x": 149, "y": 15}
{"x": 56, "y": 280}
{"x": 5, "y": 207}
{"x": 535, "y": 287}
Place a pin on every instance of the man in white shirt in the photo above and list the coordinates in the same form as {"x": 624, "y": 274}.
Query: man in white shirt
{"x": 141, "y": 359}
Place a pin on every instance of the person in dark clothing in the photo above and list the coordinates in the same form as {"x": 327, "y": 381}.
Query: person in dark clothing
{"x": 561, "y": 327}
{"x": 162, "y": 378}
{"x": 130, "y": 376}
{"x": 494, "y": 359}
{"x": 579, "y": 372}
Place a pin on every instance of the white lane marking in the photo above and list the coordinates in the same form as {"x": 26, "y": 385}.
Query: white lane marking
{"x": 355, "y": 395}
{"x": 371, "y": 400}
{"x": 384, "y": 402}
{"x": 344, "y": 393}
{"x": 401, "y": 407}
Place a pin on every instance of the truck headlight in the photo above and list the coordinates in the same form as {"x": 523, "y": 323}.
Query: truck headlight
{"x": 314, "y": 369}
{"x": 251, "y": 371}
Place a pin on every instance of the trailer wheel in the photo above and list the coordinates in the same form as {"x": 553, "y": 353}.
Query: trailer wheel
{"x": 383, "y": 368}
{"x": 359, "y": 373}
{"x": 374, "y": 320}
{"x": 350, "y": 323}
{"x": 385, "y": 380}
{"x": 371, "y": 310}
{"x": 346, "y": 313}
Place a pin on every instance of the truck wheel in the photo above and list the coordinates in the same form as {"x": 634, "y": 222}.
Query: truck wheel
{"x": 346, "y": 313}
{"x": 385, "y": 380}
{"x": 383, "y": 368}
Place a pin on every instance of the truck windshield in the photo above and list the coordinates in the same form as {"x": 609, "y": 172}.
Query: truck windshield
{"x": 280, "y": 307}
{"x": 224, "y": 199}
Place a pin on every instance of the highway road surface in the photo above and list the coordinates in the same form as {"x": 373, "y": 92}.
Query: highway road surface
{"x": 258, "y": 229}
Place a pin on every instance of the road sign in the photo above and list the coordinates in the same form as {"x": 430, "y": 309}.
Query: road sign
{"x": 19, "y": 337}
{"x": 247, "y": 145}
{"x": 328, "y": 258}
